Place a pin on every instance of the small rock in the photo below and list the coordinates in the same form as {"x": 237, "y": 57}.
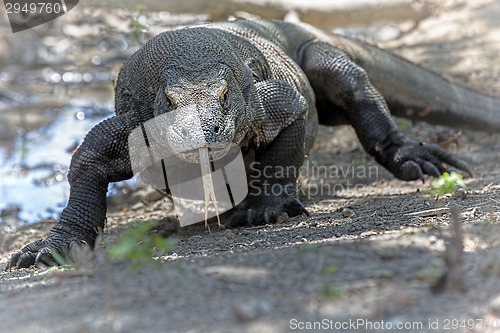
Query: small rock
{"x": 137, "y": 206}
{"x": 386, "y": 33}
{"x": 459, "y": 194}
{"x": 495, "y": 305}
{"x": 433, "y": 239}
{"x": 167, "y": 227}
{"x": 246, "y": 312}
{"x": 475, "y": 212}
{"x": 347, "y": 213}
{"x": 388, "y": 253}
{"x": 378, "y": 222}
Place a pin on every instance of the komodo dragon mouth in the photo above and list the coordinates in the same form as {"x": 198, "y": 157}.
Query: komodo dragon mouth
{"x": 215, "y": 152}
{"x": 205, "y": 155}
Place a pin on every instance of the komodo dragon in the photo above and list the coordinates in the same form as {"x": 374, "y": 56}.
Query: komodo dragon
{"x": 263, "y": 85}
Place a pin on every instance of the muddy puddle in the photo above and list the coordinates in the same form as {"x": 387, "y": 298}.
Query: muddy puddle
{"x": 49, "y": 99}
{"x": 34, "y": 166}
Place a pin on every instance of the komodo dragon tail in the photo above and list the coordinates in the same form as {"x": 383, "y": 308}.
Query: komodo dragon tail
{"x": 417, "y": 93}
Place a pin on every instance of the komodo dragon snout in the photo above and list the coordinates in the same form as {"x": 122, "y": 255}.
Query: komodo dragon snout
{"x": 198, "y": 115}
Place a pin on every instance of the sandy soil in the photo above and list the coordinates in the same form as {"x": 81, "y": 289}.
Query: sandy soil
{"x": 360, "y": 261}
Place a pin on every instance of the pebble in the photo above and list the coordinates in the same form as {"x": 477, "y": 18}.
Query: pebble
{"x": 250, "y": 311}
{"x": 495, "y": 305}
{"x": 347, "y": 213}
{"x": 389, "y": 253}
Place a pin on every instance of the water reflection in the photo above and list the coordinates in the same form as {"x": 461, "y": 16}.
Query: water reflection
{"x": 33, "y": 173}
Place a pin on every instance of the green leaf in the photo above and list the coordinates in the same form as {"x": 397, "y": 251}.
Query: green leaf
{"x": 137, "y": 243}
{"x": 447, "y": 183}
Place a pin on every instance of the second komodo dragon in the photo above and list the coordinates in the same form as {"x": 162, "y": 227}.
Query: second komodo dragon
{"x": 264, "y": 86}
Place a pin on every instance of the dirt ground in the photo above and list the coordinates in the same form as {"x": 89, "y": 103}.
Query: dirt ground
{"x": 361, "y": 262}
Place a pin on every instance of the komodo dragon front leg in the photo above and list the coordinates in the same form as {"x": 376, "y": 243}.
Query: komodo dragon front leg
{"x": 341, "y": 86}
{"x": 102, "y": 158}
{"x": 272, "y": 175}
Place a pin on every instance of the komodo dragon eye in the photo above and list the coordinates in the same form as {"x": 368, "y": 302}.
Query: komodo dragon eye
{"x": 171, "y": 102}
{"x": 223, "y": 98}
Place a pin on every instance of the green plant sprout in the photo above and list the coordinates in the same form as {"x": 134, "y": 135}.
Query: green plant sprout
{"x": 62, "y": 261}
{"x": 447, "y": 183}
{"x": 136, "y": 245}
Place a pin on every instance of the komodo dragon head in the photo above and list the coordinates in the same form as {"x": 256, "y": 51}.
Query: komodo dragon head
{"x": 206, "y": 98}
{"x": 209, "y": 107}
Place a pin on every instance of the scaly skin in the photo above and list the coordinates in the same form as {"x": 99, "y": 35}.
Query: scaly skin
{"x": 263, "y": 85}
